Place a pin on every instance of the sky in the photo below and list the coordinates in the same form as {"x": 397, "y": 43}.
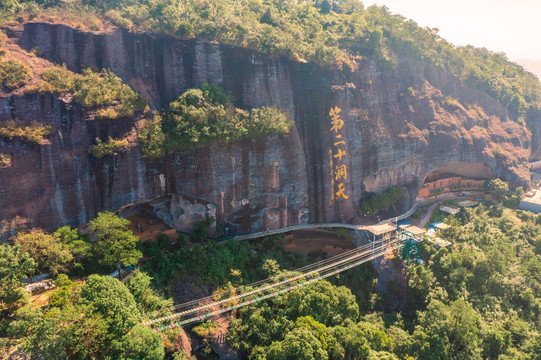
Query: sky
{"x": 511, "y": 26}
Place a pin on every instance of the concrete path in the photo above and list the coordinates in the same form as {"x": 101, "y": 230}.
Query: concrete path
{"x": 428, "y": 214}
{"x": 323, "y": 225}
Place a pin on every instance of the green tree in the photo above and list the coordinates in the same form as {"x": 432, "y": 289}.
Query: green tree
{"x": 201, "y": 116}
{"x": 533, "y": 348}
{"x": 348, "y": 343}
{"x": 421, "y": 282}
{"x": 79, "y": 245}
{"x": 383, "y": 200}
{"x": 499, "y": 187}
{"x": 298, "y": 344}
{"x": 141, "y": 343}
{"x": 46, "y": 249}
{"x": 43, "y": 336}
{"x": 270, "y": 268}
{"x": 182, "y": 355}
{"x": 448, "y": 332}
{"x": 327, "y": 304}
{"x": 111, "y": 300}
{"x": 146, "y": 299}
{"x": 65, "y": 293}
{"x": 15, "y": 298}
{"x": 495, "y": 343}
{"x": 115, "y": 243}
{"x": 110, "y": 297}
{"x": 382, "y": 355}
{"x": 14, "y": 74}
{"x": 102, "y": 322}
{"x": 267, "y": 17}
{"x": 318, "y": 329}
{"x": 374, "y": 332}
{"x": 15, "y": 265}
{"x": 326, "y": 6}
{"x": 265, "y": 328}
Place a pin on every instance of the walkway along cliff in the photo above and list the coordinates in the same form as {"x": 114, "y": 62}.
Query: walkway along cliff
{"x": 397, "y": 126}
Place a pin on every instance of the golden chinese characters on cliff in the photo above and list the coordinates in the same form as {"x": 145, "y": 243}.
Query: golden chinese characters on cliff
{"x": 337, "y": 156}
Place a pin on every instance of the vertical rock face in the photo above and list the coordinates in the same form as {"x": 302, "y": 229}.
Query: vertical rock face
{"x": 534, "y": 123}
{"x": 58, "y": 182}
{"x": 398, "y": 125}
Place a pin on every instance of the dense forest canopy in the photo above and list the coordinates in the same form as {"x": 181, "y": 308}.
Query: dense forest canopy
{"x": 325, "y": 31}
{"x": 478, "y": 299}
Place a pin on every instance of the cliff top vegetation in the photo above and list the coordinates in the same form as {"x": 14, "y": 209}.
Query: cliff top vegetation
{"x": 14, "y": 74}
{"x": 103, "y": 90}
{"x": 325, "y": 31}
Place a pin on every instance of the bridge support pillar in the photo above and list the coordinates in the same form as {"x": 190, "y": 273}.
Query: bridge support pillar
{"x": 410, "y": 249}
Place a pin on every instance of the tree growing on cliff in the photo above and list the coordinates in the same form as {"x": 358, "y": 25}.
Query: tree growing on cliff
{"x": 14, "y": 74}
{"x": 115, "y": 243}
{"x": 382, "y": 201}
{"x": 203, "y": 116}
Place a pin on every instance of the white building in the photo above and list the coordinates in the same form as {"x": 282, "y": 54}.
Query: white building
{"x": 531, "y": 201}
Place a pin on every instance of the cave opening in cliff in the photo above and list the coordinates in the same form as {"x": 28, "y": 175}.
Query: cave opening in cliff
{"x": 455, "y": 177}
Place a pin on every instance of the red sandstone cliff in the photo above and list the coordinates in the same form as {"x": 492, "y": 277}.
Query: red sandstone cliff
{"x": 398, "y": 127}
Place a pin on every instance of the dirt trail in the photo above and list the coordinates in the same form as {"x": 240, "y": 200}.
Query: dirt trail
{"x": 151, "y": 227}
{"x": 312, "y": 240}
